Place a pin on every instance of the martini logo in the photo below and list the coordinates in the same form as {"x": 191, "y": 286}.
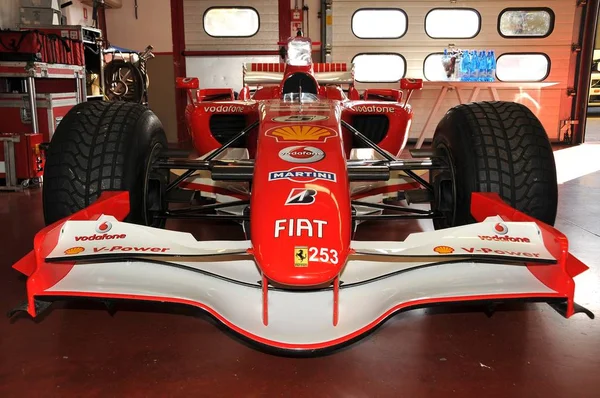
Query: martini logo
{"x": 103, "y": 227}
{"x": 302, "y": 175}
{"x": 224, "y": 109}
{"x": 301, "y": 154}
{"x": 301, "y": 133}
{"x": 374, "y": 109}
{"x": 443, "y": 249}
{"x": 74, "y": 250}
{"x": 301, "y": 196}
{"x": 301, "y": 256}
{"x": 299, "y": 118}
{"x": 500, "y": 228}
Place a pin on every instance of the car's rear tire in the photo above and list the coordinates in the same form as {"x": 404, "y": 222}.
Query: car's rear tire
{"x": 496, "y": 147}
{"x": 104, "y": 146}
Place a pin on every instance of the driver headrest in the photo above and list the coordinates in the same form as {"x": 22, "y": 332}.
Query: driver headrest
{"x": 300, "y": 79}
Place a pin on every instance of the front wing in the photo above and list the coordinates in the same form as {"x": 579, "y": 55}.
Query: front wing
{"x": 221, "y": 277}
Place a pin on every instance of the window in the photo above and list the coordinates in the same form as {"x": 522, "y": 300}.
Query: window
{"x": 522, "y": 67}
{"x": 526, "y": 22}
{"x": 379, "y": 23}
{"x": 452, "y": 23}
{"x": 231, "y": 21}
{"x": 433, "y": 69}
{"x": 379, "y": 68}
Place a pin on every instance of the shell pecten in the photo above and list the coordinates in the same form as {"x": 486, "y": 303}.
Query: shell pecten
{"x": 301, "y": 133}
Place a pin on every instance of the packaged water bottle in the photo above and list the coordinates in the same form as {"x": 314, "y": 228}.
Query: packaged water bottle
{"x": 473, "y": 77}
{"x": 493, "y": 66}
{"x": 482, "y": 77}
{"x": 465, "y": 67}
{"x": 488, "y": 67}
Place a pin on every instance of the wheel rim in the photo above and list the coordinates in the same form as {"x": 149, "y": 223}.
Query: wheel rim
{"x": 154, "y": 192}
{"x": 444, "y": 189}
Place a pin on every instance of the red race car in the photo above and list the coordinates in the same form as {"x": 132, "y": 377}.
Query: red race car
{"x": 299, "y": 158}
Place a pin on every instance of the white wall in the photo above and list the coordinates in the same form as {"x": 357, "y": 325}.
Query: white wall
{"x": 314, "y": 23}
{"x": 153, "y": 25}
{"x": 76, "y": 16}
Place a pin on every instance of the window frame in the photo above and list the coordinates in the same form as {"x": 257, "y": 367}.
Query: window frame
{"x": 547, "y": 9}
{"x": 548, "y": 70}
{"x": 452, "y": 8}
{"x": 425, "y": 60}
{"x": 377, "y": 9}
{"x": 381, "y": 53}
{"x": 230, "y": 7}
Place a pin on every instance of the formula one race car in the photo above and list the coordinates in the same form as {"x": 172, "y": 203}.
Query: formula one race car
{"x": 300, "y": 158}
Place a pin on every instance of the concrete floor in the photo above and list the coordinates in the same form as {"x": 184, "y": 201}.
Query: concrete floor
{"x": 523, "y": 350}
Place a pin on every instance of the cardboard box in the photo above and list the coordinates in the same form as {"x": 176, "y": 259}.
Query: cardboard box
{"x": 40, "y": 16}
{"x": 54, "y": 4}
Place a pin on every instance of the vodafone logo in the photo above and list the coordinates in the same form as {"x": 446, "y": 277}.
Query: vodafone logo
{"x": 374, "y": 109}
{"x": 224, "y": 109}
{"x": 100, "y": 237}
{"x": 102, "y": 234}
{"x": 103, "y": 227}
{"x": 500, "y": 228}
{"x": 301, "y": 154}
{"x": 507, "y": 238}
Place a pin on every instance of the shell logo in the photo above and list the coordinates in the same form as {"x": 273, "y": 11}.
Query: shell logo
{"x": 74, "y": 250}
{"x": 301, "y": 133}
{"x": 443, "y": 249}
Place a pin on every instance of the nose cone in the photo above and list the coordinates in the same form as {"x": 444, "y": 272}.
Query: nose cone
{"x": 304, "y": 246}
{"x": 300, "y": 217}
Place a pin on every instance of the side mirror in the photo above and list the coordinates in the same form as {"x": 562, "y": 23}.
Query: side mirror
{"x": 411, "y": 84}
{"x": 189, "y": 83}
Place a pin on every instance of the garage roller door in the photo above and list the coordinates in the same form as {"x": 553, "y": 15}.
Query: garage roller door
{"x": 551, "y": 104}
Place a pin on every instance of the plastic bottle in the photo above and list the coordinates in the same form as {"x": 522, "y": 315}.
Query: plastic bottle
{"x": 475, "y": 66}
{"x": 493, "y": 68}
{"x": 482, "y": 77}
{"x": 465, "y": 67}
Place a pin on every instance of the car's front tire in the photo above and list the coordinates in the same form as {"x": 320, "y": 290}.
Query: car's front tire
{"x": 103, "y": 146}
{"x": 496, "y": 147}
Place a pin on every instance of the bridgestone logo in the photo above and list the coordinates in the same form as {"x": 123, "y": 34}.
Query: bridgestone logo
{"x": 507, "y": 238}
{"x": 224, "y": 109}
{"x": 100, "y": 237}
{"x": 374, "y": 109}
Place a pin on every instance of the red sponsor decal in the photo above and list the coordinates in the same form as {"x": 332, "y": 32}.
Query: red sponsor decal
{"x": 500, "y": 228}
{"x": 506, "y": 238}
{"x": 104, "y": 227}
{"x": 100, "y": 237}
{"x": 486, "y": 250}
{"x": 130, "y": 249}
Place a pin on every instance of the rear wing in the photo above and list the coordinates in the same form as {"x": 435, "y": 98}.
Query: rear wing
{"x": 272, "y": 73}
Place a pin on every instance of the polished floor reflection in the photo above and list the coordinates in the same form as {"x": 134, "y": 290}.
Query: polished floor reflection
{"x": 523, "y": 350}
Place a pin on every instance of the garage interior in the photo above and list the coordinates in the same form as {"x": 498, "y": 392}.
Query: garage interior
{"x": 135, "y": 348}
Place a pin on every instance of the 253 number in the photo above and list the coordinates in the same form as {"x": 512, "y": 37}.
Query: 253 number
{"x": 323, "y": 255}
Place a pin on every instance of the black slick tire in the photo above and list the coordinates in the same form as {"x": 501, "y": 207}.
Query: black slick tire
{"x": 97, "y": 147}
{"x": 496, "y": 147}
